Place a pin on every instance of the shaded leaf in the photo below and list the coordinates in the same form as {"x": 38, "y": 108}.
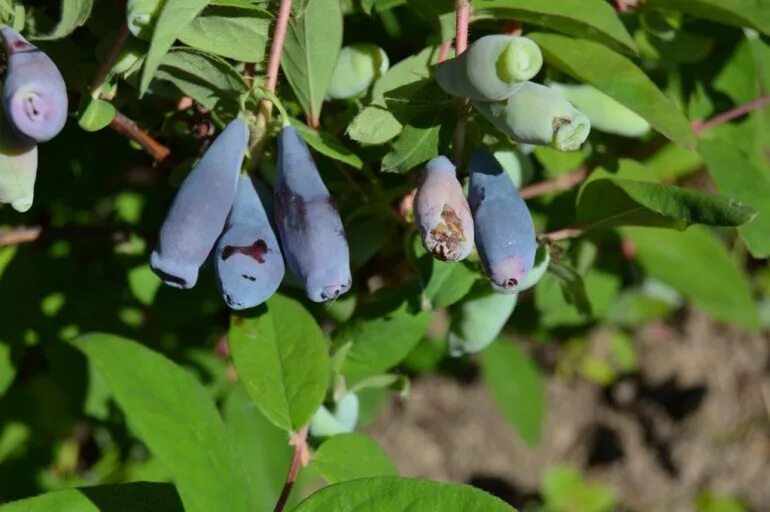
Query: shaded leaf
{"x": 327, "y": 145}
{"x": 605, "y": 203}
{"x": 281, "y": 357}
{"x": 618, "y": 77}
{"x": 239, "y": 34}
{"x": 742, "y": 13}
{"x": 696, "y": 264}
{"x": 74, "y": 13}
{"x": 98, "y": 114}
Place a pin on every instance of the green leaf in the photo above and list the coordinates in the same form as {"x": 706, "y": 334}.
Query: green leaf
{"x": 443, "y": 283}
{"x": 327, "y": 145}
{"x": 234, "y": 33}
{"x": 565, "y": 490}
{"x": 383, "y": 331}
{"x": 698, "y": 266}
{"x": 74, "y": 13}
{"x": 97, "y": 115}
{"x": 417, "y": 144}
{"x": 708, "y": 502}
{"x": 396, "y": 494}
{"x": 7, "y": 367}
{"x": 606, "y": 203}
{"x": 737, "y": 177}
{"x": 173, "y": 19}
{"x": 136, "y": 497}
{"x": 515, "y": 383}
{"x": 313, "y": 42}
{"x": 594, "y": 19}
{"x": 742, "y": 13}
{"x": 281, "y": 356}
{"x": 350, "y": 456}
{"x": 374, "y": 125}
{"x": 572, "y": 285}
{"x": 618, "y": 77}
{"x": 175, "y": 417}
{"x": 265, "y": 447}
{"x": 208, "y": 80}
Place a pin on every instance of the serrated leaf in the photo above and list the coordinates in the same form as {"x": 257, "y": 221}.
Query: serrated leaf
{"x": 618, "y": 77}
{"x": 350, "y": 456}
{"x": 594, "y": 19}
{"x": 281, "y": 356}
{"x": 175, "y": 417}
{"x": 742, "y": 13}
{"x": 74, "y": 13}
{"x": 326, "y": 144}
{"x": 313, "y": 42}
{"x": 208, "y": 80}
{"x": 606, "y": 203}
{"x": 97, "y": 115}
{"x": 395, "y": 494}
{"x": 739, "y": 178}
{"x": 383, "y": 331}
{"x": 172, "y": 20}
{"x": 515, "y": 383}
{"x": 136, "y": 497}
{"x": 696, "y": 264}
{"x": 231, "y": 32}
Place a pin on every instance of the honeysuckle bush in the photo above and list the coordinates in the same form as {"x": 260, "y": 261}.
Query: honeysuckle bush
{"x": 118, "y": 393}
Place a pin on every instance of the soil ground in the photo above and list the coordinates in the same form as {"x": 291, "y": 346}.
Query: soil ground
{"x": 695, "y": 417}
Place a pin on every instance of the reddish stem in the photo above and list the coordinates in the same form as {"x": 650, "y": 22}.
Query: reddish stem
{"x": 276, "y": 50}
{"x": 129, "y": 128}
{"x": 563, "y": 234}
{"x": 564, "y": 182}
{"x": 443, "y": 50}
{"x": 20, "y": 235}
{"x": 297, "y": 461}
{"x": 463, "y": 9}
{"x": 701, "y": 126}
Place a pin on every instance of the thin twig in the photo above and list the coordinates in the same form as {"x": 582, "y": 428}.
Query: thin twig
{"x": 109, "y": 57}
{"x": 564, "y": 182}
{"x": 443, "y": 51}
{"x": 462, "y": 18}
{"x": 20, "y": 235}
{"x": 300, "y": 458}
{"x": 129, "y": 128}
{"x": 276, "y": 50}
{"x": 701, "y": 126}
{"x": 563, "y": 234}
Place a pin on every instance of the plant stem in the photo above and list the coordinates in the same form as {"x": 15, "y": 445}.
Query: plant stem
{"x": 443, "y": 50}
{"x": 462, "y": 18}
{"x": 563, "y": 234}
{"x": 276, "y": 50}
{"x": 297, "y": 461}
{"x": 20, "y": 235}
{"x": 129, "y": 128}
{"x": 564, "y": 182}
{"x": 109, "y": 57}
{"x": 701, "y": 126}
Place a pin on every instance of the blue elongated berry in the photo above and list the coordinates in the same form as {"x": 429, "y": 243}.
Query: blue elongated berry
{"x": 200, "y": 208}
{"x": 34, "y": 93}
{"x": 442, "y": 213}
{"x": 309, "y": 225}
{"x": 248, "y": 259}
{"x": 505, "y": 234}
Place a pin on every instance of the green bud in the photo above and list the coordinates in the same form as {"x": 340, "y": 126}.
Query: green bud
{"x": 491, "y": 69}
{"x": 536, "y": 114}
{"x": 606, "y": 114}
{"x": 141, "y": 16}
{"x": 357, "y": 67}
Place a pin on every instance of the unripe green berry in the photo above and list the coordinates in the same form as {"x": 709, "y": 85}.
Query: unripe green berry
{"x": 491, "y": 69}
{"x": 536, "y": 114}
{"x": 357, "y": 67}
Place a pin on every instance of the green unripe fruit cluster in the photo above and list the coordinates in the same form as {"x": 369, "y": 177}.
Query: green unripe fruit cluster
{"x": 491, "y": 69}
{"x": 357, "y": 67}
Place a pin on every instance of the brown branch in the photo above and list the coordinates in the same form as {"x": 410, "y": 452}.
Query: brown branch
{"x": 564, "y": 182}
{"x": 20, "y": 235}
{"x": 300, "y": 458}
{"x": 109, "y": 57}
{"x": 128, "y": 128}
{"x": 701, "y": 126}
